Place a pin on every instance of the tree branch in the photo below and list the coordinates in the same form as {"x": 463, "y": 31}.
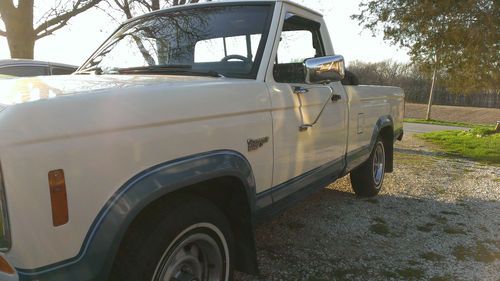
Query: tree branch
{"x": 109, "y": 14}
{"x": 145, "y": 4}
{"x": 61, "y": 20}
{"x": 51, "y": 30}
{"x": 117, "y": 2}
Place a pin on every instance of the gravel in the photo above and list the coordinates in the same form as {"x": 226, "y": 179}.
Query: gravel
{"x": 437, "y": 218}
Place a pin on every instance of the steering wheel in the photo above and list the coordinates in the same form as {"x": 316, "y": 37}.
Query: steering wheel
{"x": 235, "y": 57}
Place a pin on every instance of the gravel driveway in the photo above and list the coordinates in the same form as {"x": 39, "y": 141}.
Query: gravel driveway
{"x": 436, "y": 219}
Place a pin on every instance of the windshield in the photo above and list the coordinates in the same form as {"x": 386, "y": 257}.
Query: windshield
{"x": 224, "y": 40}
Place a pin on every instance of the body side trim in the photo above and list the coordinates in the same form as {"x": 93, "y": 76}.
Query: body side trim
{"x": 300, "y": 187}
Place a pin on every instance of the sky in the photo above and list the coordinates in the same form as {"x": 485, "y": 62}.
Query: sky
{"x": 85, "y": 33}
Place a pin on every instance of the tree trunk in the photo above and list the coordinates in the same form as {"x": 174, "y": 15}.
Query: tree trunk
{"x": 431, "y": 96}
{"x": 19, "y": 26}
{"x": 21, "y": 44}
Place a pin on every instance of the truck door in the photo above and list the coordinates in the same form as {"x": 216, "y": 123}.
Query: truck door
{"x": 299, "y": 149}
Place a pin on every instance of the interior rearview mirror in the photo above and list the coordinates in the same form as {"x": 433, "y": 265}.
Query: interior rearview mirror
{"x": 324, "y": 70}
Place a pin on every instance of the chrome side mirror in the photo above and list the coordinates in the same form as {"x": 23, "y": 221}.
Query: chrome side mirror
{"x": 324, "y": 70}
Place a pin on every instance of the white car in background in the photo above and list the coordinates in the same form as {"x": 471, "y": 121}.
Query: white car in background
{"x": 30, "y": 68}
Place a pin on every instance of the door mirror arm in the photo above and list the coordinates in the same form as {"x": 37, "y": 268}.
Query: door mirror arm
{"x": 305, "y": 127}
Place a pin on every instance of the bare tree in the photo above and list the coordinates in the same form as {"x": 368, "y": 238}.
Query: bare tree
{"x": 132, "y": 8}
{"x": 20, "y": 28}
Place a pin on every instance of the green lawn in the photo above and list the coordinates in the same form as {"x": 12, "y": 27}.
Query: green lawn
{"x": 447, "y": 123}
{"x": 480, "y": 143}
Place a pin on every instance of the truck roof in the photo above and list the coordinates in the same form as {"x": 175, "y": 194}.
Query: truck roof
{"x": 221, "y": 2}
{"x": 284, "y": 1}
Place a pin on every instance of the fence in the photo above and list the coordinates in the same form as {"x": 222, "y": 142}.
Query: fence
{"x": 489, "y": 100}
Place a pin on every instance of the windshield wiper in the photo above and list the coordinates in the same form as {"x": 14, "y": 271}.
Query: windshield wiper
{"x": 91, "y": 70}
{"x": 168, "y": 69}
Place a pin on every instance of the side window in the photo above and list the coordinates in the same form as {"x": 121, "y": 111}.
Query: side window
{"x": 62, "y": 71}
{"x": 300, "y": 40}
{"x": 296, "y": 46}
{"x": 24, "y": 71}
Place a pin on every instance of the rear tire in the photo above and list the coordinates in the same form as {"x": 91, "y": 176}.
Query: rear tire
{"x": 190, "y": 241}
{"x": 368, "y": 178}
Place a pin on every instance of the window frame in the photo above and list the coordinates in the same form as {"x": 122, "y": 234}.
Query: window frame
{"x": 304, "y": 24}
{"x": 316, "y": 36}
{"x": 306, "y": 14}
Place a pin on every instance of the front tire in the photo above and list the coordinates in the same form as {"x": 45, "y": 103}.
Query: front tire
{"x": 192, "y": 241}
{"x": 368, "y": 178}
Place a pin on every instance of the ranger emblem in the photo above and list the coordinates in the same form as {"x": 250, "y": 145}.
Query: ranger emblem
{"x": 257, "y": 143}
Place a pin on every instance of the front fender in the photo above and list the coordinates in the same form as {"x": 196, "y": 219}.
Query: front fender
{"x": 102, "y": 241}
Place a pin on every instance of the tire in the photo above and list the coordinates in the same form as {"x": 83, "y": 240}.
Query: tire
{"x": 191, "y": 241}
{"x": 367, "y": 179}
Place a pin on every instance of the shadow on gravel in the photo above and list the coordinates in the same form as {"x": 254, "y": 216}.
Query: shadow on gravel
{"x": 336, "y": 236}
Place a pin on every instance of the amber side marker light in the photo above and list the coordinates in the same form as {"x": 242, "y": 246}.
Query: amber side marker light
{"x": 5, "y": 267}
{"x": 58, "y": 197}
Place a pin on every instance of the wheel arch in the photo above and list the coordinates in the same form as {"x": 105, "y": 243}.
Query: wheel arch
{"x": 384, "y": 129}
{"x": 95, "y": 259}
{"x": 228, "y": 194}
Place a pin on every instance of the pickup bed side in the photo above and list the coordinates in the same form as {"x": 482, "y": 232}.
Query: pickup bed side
{"x": 371, "y": 109}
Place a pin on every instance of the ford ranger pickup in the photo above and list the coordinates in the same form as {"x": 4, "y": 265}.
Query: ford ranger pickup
{"x": 183, "y": 131}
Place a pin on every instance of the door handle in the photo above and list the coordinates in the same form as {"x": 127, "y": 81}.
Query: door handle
{"x": 300, "y": 90}
{"x": 336, "y": 97}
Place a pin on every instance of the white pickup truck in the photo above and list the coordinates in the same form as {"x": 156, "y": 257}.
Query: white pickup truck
{"x": 185, "y": 129}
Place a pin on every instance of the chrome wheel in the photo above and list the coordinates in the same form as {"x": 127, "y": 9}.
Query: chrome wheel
{"x": 200, "y": 253}
{"x": 378, "y": 164}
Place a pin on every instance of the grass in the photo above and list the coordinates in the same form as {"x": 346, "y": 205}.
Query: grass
{"x": 439, "y": 219}
{"x": 442, "y": 278}
{"x": 483, "y": 252}
{"x": 454, "y": 230}
{"x": 431, "y": 256}
{"x": 447, "y": 123}
{"x": 411, "y": 273}
{"x": 426, "y": 227}
{"x": 479, "y": 144}
{"x": 347, "y": 274}
{"x": 450, "y": 213}
{"x": 380, "y": 229}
